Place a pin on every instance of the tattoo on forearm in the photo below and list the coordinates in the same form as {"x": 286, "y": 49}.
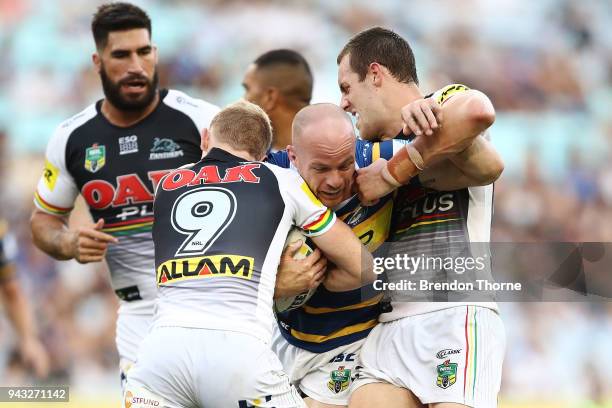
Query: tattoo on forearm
{"x": 427, "y": 181}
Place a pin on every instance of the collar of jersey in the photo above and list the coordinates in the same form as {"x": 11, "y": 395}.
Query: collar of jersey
{"x": 402, "y": 136}
{"x": 218, "y": 154}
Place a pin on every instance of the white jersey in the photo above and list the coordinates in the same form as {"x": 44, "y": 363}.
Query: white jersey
{"x": 219, "y": 230}
{"x": 435, "y": 227}
{"x": 116, "y": 171}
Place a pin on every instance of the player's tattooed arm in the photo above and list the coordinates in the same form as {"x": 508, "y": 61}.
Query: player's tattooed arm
{"x": 465, "y": 115}
{"x": 86, "y": 243}
{"x": 478, "y": 165}
{"x": 49, "y": 233}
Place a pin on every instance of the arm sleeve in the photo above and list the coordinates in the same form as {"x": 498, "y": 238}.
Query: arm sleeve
{"x": 368, "y": 152}
{"x": 444, "y": 94}
{"x": 200, "y": 111}
{"x": 309, "y": 213}
{"x": 280, "y": 158}
{"x": 56, "y": 189}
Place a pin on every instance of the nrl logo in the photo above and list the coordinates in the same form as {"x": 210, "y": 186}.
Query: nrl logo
{"x": 340, "y": 380}
{"x": 95, "y": 158}
{"x": 447, "y": 374}
{"x": 447, "y": 352}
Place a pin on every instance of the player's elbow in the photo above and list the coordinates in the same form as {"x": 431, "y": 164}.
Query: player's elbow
{"x": 480, "y": 111}
{"x": 35, "y": 226}
{"x": 495, "y": 170}
{"x": 491, "y": 171}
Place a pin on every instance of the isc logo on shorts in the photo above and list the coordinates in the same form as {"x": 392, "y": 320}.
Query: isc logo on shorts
{"x": 175, "y": 270}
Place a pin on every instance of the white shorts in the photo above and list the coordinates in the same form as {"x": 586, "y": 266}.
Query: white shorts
{"x": 132, "y": 327}
{"x": 187, "y": 367}
{"x": 324, "y": 377}
{"x": 450, "y": 355}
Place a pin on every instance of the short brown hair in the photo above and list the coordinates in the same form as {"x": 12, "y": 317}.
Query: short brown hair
{"x": 384, "y": 47}
{"x": 117, "y": 17}
{"x": 290, "y": 73}
{"x": 243, "y": 126}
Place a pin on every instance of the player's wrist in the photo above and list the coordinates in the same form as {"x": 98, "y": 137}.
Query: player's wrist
{"x": 68, "y": 244}
{"x": 403, "y": 166}
{"x": 386, "y": 175}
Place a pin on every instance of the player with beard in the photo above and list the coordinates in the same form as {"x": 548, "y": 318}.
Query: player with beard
{"x": 114, "y": 153}
{"x": 440, "y": 354}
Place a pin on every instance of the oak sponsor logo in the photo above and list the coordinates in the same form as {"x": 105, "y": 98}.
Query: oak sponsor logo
{"x": 176, "y": 270}
{"x": 210, "y": 174}
{"x": 128, "y": 189}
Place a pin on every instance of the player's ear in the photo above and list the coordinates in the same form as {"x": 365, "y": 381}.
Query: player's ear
{"x": 204, "y": 141}
{"x": 97, "y": 61}
{"x": 291, "y": 154}
{"x": 155, "y": 54}
{"x": 375, "y": 71}
{"x": 271, "y": 99}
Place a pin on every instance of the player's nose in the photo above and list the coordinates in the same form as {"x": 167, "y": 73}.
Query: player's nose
{"x": 334, "y": 180}
{"x": 344, "y": 103}
{"x": 135, "y": 65}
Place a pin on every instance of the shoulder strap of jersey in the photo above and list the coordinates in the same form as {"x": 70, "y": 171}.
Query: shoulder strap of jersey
{"x": 198, "y": 110}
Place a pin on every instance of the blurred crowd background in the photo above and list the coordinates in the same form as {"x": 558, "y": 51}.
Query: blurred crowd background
{"x": 546, "y": 65}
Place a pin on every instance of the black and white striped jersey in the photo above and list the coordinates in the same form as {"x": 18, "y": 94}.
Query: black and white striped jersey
{"x": 116, "y": 170}
{"x": 219, "y": 231}
{"x": 437, "y": 228}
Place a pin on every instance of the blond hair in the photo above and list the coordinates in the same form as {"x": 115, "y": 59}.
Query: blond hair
{"x": 243, "y": 126}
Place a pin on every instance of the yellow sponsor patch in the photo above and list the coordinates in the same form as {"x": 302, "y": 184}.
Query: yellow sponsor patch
{"x": 310, "y": 195}
{"x": 445, "y": 93}
{"x": 373, "y": 231}
{"x": 176, "y": 270}
{"x": 50, "y": 175}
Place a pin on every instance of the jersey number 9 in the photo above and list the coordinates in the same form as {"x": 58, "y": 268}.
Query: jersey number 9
{"x": 202, "y": 214}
